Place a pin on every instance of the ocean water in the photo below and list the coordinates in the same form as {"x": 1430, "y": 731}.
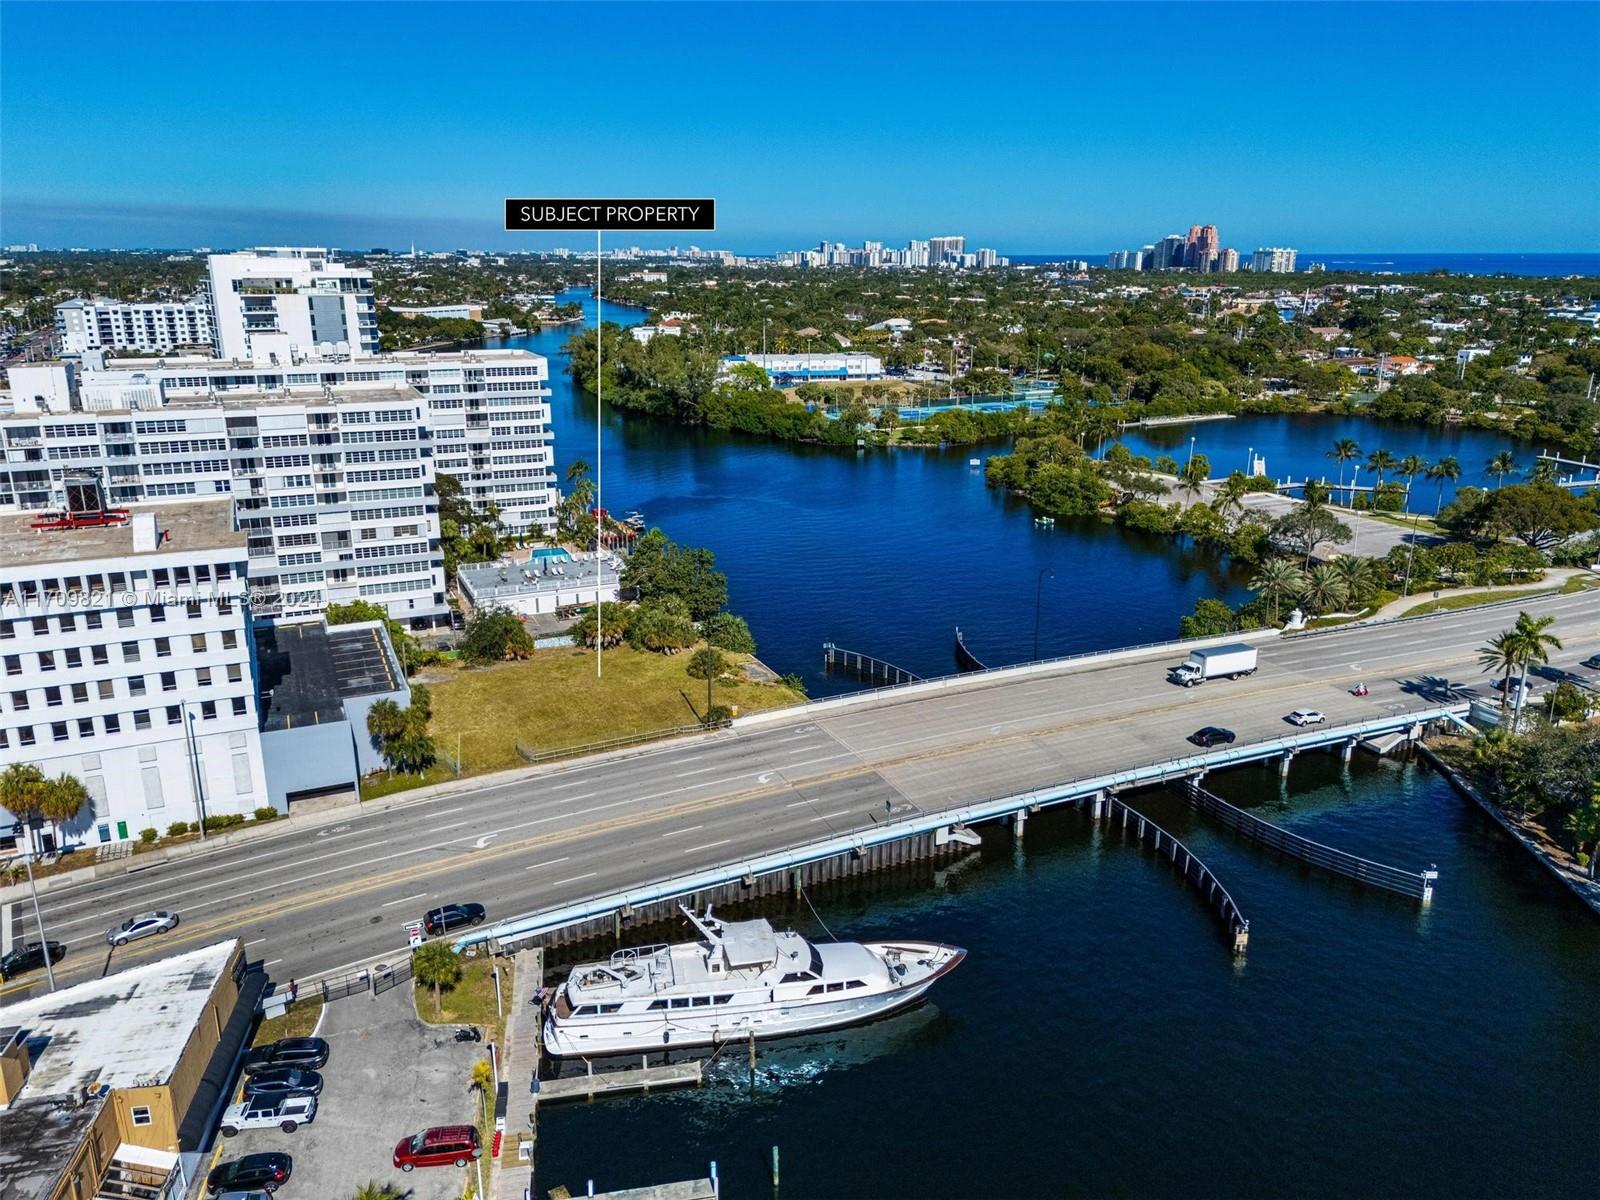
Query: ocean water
{"x": 1555, "y": 264}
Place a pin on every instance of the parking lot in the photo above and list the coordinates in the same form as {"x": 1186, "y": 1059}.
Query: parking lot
{"x": 388, "y": 1075}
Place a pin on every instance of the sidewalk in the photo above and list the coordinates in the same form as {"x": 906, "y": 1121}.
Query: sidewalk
{"x": 1554, "y": 577}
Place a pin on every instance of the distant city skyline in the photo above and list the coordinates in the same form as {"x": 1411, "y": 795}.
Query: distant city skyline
{"x": 412, "y": 123}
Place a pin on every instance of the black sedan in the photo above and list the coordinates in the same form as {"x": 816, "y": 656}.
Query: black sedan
{"x": 268, "y": 1172}
{"x": 452, "y": 916}
{"x": 283, "y": 1081}
{"x": 1592, "y": 662}
{"x": 1213, "y": 735}
{"x": 307, "y": 1053}
{"x": 29, "y": 958}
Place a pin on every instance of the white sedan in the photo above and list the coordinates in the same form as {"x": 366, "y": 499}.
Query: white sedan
{"x": 143, "y": 925}
{"x": 1307, "y": 716}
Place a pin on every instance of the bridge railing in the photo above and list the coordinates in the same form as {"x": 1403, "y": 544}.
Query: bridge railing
{"x": 1418, "y": 884}
{"x": 1194, "y": 871}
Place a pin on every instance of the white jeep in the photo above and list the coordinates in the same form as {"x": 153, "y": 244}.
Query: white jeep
{"x": 264, "y": 1112}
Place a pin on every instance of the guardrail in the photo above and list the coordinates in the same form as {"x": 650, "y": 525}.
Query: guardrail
{"x": 801, "y": 853}
{"x": 1193, "y": 870}
{"x": 1418, "y": 884}
{"x": 863, "y": 666}
{"x": 616, "y": 743}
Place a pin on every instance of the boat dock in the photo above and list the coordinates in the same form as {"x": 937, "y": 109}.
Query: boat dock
{"x": 689, "y": 1189}
{"x": 643, "y": 1078}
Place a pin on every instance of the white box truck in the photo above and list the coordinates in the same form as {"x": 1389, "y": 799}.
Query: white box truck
{"x": 1214, "y": 662}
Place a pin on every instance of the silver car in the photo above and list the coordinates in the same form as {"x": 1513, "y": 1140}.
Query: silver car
{"x": 143, "y": 925}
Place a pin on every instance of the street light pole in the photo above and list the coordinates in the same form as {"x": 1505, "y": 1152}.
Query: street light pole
{"x": 1038, "y": 596}
{"x": 194, "y": 761}
{"x": 38, "y": 923}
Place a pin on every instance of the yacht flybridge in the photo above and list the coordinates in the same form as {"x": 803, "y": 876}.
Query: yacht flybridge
{"x": 740, "y": 979}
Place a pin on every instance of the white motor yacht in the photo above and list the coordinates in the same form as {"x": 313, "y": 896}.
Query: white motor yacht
{"x": 740, "y": 978}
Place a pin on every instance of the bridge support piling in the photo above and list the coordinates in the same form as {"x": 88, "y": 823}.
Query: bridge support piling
{"x": 1283, "y": 764}
{"x": 1097, "y": 805}
{"x": 1019, "y": 820}
{"x": 1347, "y": 750}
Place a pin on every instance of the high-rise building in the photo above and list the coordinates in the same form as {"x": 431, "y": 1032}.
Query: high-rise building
{"x": 102, "y": 324}
{"x": 987, "y": 259}
{"x": 1169, "y": 253}
{"x": 945, "y": 250}
{"x": 1274, "y": 259}
{"x": 1201, "y": 250}
{"x": 290, "y": 304}
{"x": 1227, "y": 260}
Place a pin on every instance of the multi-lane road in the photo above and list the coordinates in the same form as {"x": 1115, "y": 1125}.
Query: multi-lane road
{"x": 312, "y": 897}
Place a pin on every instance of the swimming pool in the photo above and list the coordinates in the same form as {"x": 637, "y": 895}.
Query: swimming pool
{"x": 551, "y": 552}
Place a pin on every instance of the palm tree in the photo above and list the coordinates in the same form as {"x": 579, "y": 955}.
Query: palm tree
{"x": 1533, "y": 645}
{"x": 22, "y": 793}
{"x": 1544, "y": 471}
{"x": 1275, "y": 579}
{"x": 436, "y": 965}
{"x": 1344, "y": 450}
{"x": 1229, "y": 500}
{"x": 373, "y": 1190}
{"x": 1410, "y": 466}
{"x": 1447, "y": 469}
{"x": 1502, "y": 464}
{"x": 1324, "y": 589}
{"x": 63, "y": 798}
{"x": 1380, "y": 461}
{"x": 1359, "y": 576}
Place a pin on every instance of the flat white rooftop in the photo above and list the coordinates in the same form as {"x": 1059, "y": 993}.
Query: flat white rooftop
{"x": 126, "y": 1030}
{"x": 187, "y": 525}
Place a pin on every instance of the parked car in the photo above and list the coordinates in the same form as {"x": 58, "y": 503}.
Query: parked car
{"x": 1592, "y": 662}
{"x": 29, "y": 958}
{"x": 452, "y": 916}
{"x": 143, "y": 925}
{"x": 442, "y": 1146}
{"x": 307, "y": 1053}
{"x": 1510, "y": 686}
{"x": 287, "y": 1113}
{"x": 283, "y": 1081}
{"x": 252, "y": 1194}
{"x": 1212, "y": 735}
{"x": 268, "y": 1171}
{"x": 1307, "y": 716}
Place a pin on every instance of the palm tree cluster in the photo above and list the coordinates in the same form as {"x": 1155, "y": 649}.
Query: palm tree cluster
{"x": 401, "y": 734}
{"x": 1515, "y": 650}
{"x": 1323, "y": 588}
{"x": 1380, "y": 461}
{"x": 27, "y": 794}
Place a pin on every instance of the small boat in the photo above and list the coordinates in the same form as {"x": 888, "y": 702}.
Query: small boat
{"x": 741, "y": 979}
{"x": 1045, "y": 522}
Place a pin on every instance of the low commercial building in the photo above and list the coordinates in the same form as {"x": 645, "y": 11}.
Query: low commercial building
{"x": 108, "y": 1088}
{"x": 125, "y": 661}
{"x": 467, "y": 310}
{"x": 550, "y": 580}
{"x": 786, "y": 370}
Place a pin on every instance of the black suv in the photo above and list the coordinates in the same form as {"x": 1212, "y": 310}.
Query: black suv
{"x": 29, "y": 958}
{"x": 1212, "y": 735}
{"x": 452, "y": 916}
{"x": 283, "y": 1081}
{"x": 307, "y": 1053}
{"x": 265, "y": 1171}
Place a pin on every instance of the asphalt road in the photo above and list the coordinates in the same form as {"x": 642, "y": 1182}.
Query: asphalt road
{"x": 312, "y": 900}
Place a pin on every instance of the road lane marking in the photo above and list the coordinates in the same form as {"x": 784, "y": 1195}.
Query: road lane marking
{"x": 457, "y": 825}
{"x": 484, "y": 841}
{"x": 701, "y": 771}
{"x": 830, "y": 816}
{"x": 708, "y": 846}
{"x": 549, "y": 862}
{"x": 676, "y": 832}
{"x": 403, "y": 900}
{"x": 256, "y": 942}
{"x": 575, "y": 878}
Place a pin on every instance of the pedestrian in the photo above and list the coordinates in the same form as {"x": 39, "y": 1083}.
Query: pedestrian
{"x": 294, "y": 991}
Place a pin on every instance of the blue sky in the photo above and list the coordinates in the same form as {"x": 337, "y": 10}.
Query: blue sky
{"x": 1032, "y": 128}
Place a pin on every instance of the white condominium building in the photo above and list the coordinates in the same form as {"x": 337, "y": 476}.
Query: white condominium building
{"x": 331, "y": 466}
{"x": 286, "y": 304}
{"x": 1275, "y": 259}
{"x": 101, "y": 324}
{"x": 125, "y": 661}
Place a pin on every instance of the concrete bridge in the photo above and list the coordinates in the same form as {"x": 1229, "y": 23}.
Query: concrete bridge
{"x": 551, "y": 846}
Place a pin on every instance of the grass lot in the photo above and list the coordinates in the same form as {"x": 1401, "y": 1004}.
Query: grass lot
{"x": 1420, "y": 524}
{"x": 1473, "y": 599}
{"x": 470, "y": 1002}
{"x": 553, "y": 701}
{"x": 299, "y": 1021}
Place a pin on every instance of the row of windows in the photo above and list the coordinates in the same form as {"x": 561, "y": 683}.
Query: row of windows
{"x": 72, "y": 658}
{"x": 367, "y": 456}
{"x": 69, "y": 622}
{"x": 395, "y": 587}
{"x": 381, "y": 435}
{"x": 399, "y": 493}
{"x": 114, "y": 582}
{"x": 202, "y": 466}
{"x": 276, "y": 461}
{"x": 106, "y": 689}
{"x": 379, "y": 570}
{"x": 24, "y": 736}
{"x": 277, "y": 441}
{"x": 392, "y": 549}
{"x": 186, "y": 446}
{"x": 387, "y": 514}
{"x": 385, "y": 475}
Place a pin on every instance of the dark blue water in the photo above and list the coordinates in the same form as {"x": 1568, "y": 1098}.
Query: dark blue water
{"x": 1556, "y": 264}
{"x": 888, "y": 551}
{"x": 1100, "y": 1041}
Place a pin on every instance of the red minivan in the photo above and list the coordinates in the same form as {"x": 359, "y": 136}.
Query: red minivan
{"x": 443, "y": 1146}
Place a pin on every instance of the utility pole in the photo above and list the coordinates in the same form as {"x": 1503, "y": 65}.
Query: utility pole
{"x": 38, "y": 922}
{"x": 194, "y": 760}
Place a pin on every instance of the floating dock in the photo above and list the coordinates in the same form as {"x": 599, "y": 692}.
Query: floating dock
{"x": 609, "y": 1083}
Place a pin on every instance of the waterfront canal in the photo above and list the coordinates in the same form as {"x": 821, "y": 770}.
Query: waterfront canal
{"x": 887, "y": 551}
{"x": 1100, "y": 1041}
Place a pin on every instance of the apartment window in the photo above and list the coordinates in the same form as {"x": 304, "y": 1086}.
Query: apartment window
{"x": 224, "y": 606}
{"x": 158, "y": 612}
{"x": 135, "y": 685}
{"x": 124, "y": 618}
{"x": 13, "y": 664}
{"x": 202, "y": 573}
{"x": 99, "y": 655}
{"x": 191, "y": 609}
{"x": 41, "y": 626}
{"x": 163, "y": 647}
{"x": 106, "y": 689}
{"x": 8, "y": 629}
{"x": 235, "y": 673}
{"x": 25, "y": 736}
{"x": 174, "y": 715}
{"x": 52, "y": 697}
{"x": 141, "y": 719}
{"x": 169, "y": 681}
{"x": 86, "y": 727}
{"x": 19, "y": 701}
{"x": 91, "y": 620}
{"x": 130, "y": 652}
{"x": 74, "y": 657}
{"x": 69, "y": 623}
{"x": 230, "y": 639}
{"x": 162, "y": 577}
{"x": 113, "y": 723}
{"x": 5, "y": 742}
{"x": 139, "y": 1115}
{"x": 47, "y": 661}
{"x": 80, "y": 693}
{"x": 208, "y": 710}
{"x": 202, "y": 676}
{"x": 238, "y": 706}
{"x": 58, "y": 731}
{"x": 197, "y": 642}
{"x": 181, "y": 576}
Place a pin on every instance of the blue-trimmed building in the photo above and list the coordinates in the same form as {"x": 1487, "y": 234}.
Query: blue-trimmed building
{"x": 787, "y": 370}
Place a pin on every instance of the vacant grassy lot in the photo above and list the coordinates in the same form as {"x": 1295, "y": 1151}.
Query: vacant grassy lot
{"x": 470, "y": 1002}
{"x": 299, "y": 1021}
{"x": 553, "y": 701}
